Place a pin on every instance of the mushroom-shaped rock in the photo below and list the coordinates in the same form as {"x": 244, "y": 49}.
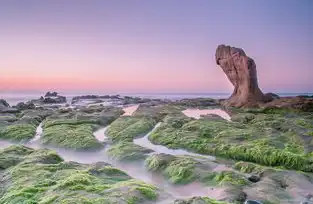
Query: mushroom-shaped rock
{"x": 241, "y": 72}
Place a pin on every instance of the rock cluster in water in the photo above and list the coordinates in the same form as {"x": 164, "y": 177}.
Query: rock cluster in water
{"x": 50, "y": 98}
{"x": 4, "y": 104}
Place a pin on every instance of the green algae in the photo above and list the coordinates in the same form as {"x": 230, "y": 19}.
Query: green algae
{"x": 182, "y": 169}
{"x": 18, "y": 132}
{"x": 229, "y": 178}
{"x": 79, "y": 137}
{"x": 126, "y": 128}
{"x": 157, "y": 112}
{"x": 247, "y": 167}
{"x": 176, "y": 169}
{"x": 268, "y": 139}
{"x": 39, "y": 177}
{"x": 8, "y": 118}
{"x": 127, "y": 151}
{"x": 157, "y": 162}
{"x": 52, "y": 122}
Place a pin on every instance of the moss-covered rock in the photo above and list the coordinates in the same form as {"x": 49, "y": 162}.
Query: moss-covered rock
{"x": 127, "y": 151}
{"x": 97, "y": 115}
{"x": 267, "y": 139}
{"x": 74, "y": 136}
{"x": 247, "y": 167}
{"x": 183, "y": 169}
{"x": 197, "y": 102}
{"x": 126, "y": 128}
{"x": 157, "y": 162}
{"x": 226, "y": 178}
{"x": 176, "y": 169}
{"x": 39, "y": 177}
{"x": 157, "y": 112}
{"x": 18, "y": 132}
{"x": 8, "y": 118}
{"x": 21, "y": 126}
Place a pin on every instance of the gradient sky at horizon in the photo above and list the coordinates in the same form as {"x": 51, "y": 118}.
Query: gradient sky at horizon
{"x": 152, "y": 46}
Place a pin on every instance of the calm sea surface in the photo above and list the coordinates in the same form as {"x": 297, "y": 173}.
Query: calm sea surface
{"x": 14, "y": 97}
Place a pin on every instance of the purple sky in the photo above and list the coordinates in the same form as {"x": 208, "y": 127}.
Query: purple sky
{"x": 152, "y": 46}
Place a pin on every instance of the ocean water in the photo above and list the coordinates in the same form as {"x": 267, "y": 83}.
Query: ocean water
{"x": 14, "y": 97}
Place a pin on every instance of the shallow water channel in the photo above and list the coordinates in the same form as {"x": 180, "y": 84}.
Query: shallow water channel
{"x": 136, "y": 169}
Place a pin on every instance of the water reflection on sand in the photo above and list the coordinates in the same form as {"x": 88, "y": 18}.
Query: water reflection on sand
{"x": 197, "y": 113}
{"x": 130, "y": 110}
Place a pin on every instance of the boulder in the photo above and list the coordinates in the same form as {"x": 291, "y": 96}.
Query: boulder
{"x": 57, "y": 99}
{"x": 197, "y": 102}
{"x": 301, "y": 103}
{"x": 4, "y": 104}
{"x": 270, "y": 96}
{"x": 241, "y": 72}
{"x": 25, "y": 106}
{"x": 51, "y": 94}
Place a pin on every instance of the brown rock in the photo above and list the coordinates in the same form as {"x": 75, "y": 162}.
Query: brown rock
{"x": 241, "y": 72}
{"x": 302, "y": 103}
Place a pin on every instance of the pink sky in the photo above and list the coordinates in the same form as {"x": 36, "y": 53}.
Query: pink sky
{"x": 138, "y": 46}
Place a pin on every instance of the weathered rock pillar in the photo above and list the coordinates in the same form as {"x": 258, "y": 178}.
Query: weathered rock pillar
{"x": 241, "y": 72}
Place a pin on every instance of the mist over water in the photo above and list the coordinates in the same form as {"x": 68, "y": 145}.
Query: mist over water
{"x": 135, "y": 169}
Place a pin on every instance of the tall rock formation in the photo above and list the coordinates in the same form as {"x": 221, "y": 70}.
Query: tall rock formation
{"x": 241, "y": 72}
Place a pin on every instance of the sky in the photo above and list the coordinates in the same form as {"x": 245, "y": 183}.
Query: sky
{"x": 146, "y": 46}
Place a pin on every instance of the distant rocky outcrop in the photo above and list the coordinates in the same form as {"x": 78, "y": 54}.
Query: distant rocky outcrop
{"x": 51, "y": 94}
{"x": 53, "y": 97}
{"x": 241, "y": 72}
{"x": 123, "y": 100}
{"x": 89, "y": 97}
{"x": 25, "y": 106}
{"x": 49, "y": 98}
{"x": 4, "y": 104}
{"x": 6, "y": 108}
{"x": 58, "y": 99}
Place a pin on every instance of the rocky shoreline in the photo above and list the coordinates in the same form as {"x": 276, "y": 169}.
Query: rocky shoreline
{"x": 263, "y": 153}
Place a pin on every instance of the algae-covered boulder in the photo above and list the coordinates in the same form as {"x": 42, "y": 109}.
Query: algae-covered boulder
{"x": 98, "y": 115}
{"x": 21, "y": 126}
{"x": 197, "y": 102}
{"x": 157, "y": 112}
{"x": 40, "y": 176}
{"x": 226, "y": 178}
{"x": 13, "y": 155}
{"x": 126, "y": 128}
{"x": 186, "y": 169}
{"x": 176, "y": 169}
{"x": 8, "y": 118}
{"x": 74, "y": 136}
{"x": 127, "y": 151}
{"x": 24, "y": 106}
{"x": 18, "y": 132}
{"x": 272, "y": 138}
{"x": 74, "y": 129}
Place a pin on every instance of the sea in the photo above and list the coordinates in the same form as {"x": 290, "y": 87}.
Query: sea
{"x": 15, "y": 97}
